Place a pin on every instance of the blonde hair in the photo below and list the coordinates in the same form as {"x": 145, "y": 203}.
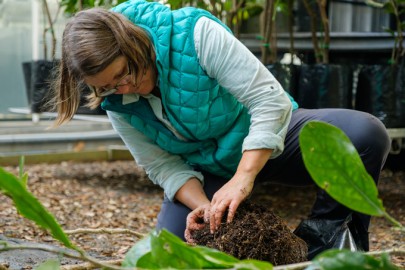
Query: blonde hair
{"x": 92, "y": 39}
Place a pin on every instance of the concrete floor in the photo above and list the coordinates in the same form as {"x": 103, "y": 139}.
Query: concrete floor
{"x": 23, "y": 136}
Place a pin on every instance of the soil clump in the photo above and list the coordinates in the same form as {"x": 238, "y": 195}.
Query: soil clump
{"x": 255, "y": 233}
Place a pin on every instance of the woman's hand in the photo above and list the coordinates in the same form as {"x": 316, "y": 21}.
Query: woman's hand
{"x": 239, "y": 187}
{"x": 196, "y": 221}
{"x": 192, "y": 195}
{"x": 229, "y": 198}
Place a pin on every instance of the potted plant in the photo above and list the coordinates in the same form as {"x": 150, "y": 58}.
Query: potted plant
{"x": 232, "y": 12}
{"x": 286, "y": 72}
{"x": 381, "y": 87}
{"x": 322, "y": 84}
{"x": 37, "y": 72}
{"x": 268, "y": 33}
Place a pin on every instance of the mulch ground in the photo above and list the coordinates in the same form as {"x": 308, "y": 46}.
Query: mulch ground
{"x": 119, "y": 195}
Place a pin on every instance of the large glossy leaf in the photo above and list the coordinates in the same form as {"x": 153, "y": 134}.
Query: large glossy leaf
{"x": 345, "y": 259}
{"x": 166, "y": 250}
{"x": 28, "y": 206}
{"x": 49, "y": 265}
{"x": 23, "y": 177}
{"x": 140, "y": 249}
{"x": 336, "y": 167}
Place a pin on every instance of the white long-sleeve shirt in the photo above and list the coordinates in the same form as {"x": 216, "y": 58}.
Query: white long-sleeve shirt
{"x": 226, "y": 59}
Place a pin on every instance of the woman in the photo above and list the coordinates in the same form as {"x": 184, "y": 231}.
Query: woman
{"x": 197, "y": 110}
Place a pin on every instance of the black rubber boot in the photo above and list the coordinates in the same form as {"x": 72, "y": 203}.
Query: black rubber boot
{"x": 323, "y": 234}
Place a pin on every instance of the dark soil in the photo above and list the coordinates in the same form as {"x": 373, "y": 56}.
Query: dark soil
{"x": 255, "y": 233}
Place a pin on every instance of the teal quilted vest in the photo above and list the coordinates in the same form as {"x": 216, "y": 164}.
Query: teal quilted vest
{"x": 207, "y": 115}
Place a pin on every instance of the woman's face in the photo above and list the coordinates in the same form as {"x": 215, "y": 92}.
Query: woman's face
{"x": 118, "y": 76}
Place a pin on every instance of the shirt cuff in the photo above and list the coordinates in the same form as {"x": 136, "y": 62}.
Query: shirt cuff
{"x": 264, "y": 141}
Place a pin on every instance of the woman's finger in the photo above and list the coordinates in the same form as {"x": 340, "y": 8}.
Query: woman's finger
{"x": 212, "y": 219}
{"x": 188, "y": 237}
{"x": 232, "y": 210}
{"x": 195, "y": 216}
{"x": 217, "y": 212}
{"x": 223, "y": 206}
{"x": 206, "y": 214}
{"x": 194, "y": 222}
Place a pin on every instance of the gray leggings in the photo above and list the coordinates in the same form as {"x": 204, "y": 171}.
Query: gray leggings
{"x": 366, "y": 132}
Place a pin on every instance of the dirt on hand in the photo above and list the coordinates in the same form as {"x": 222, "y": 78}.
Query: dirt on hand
{"x": 255, "y": 233}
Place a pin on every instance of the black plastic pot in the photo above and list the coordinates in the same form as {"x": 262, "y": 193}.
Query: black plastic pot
{"x": 287, "y": 76}
{"x": 325, "y": 86}
{"x": 381, "y": 92}
{"x": 38, "y": 76}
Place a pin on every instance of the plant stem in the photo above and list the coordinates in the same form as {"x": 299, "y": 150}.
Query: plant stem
{"x": 268, "y": 32}
{"x": 87, "y": 266}
{"x": 273, "y": 39}
{"x": 233, "y": 13}
{"x": 315, "y": 42}
{"x": 4, "y": 246}
{"x": 50, "y": 28}
{"x": 303, "y": 265}
{"x": 263, "y": 29}
{"x": 105, "y": 230}
{"x": 393, "y": 221}
{"x": 325, "y": 24}
{"x": 398, "y": 50}
{"x": 214, "y": 11}
{"x": 290, "y": 28}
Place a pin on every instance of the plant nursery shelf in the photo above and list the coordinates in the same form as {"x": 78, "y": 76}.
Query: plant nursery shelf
{"x": 352, "y": 41}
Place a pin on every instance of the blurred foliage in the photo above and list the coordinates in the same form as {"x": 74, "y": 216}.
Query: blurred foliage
{"x": 396, "y": 9}
{"x": 73, "y": 6}
{"x": 230, "y": 12}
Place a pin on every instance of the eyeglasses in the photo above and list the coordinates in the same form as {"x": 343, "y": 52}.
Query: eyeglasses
{"x": 103, "y": 92}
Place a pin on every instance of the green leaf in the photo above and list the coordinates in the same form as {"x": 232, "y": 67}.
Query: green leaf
{"x": 336, "y": 167}
{"x": 227, "y": 5}
{"x": 21, "y": 167}
{"x": 23, "y": 176}
{"x": 253, "y": 9}
{"x": 141, "y": 248}
{"x": 175, "y": 4}
{"x": 164, "y": 250}
{"x": 49, "y": 265}
{"x": 252, "y": 265}
{"x": 30, "y": 207}
{"x": 389, "y": 7}
{"x": 245, "y": 14}
{"x": 24, "y": 180}
{"x": 374, "y": 4}
{"x": 392, "y": 32}
{"x": 171, "y": 251}
{"x": 345, "y": 259}
{"x": 148, "y": 262}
